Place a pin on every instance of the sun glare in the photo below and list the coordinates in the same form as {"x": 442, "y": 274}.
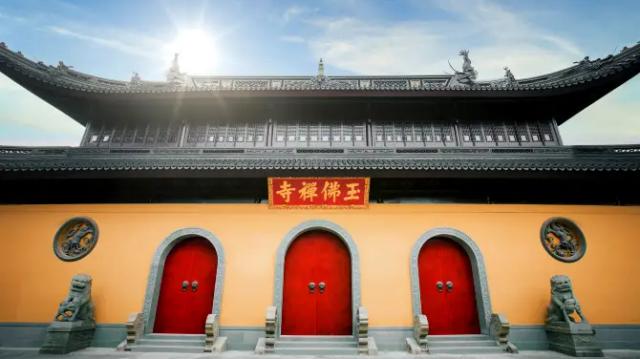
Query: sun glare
{"x": 196, "y": 49}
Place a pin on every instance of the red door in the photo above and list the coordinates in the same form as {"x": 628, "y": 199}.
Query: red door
{"x": 317, "y": 286}
{"x": 188, "y": 284}
{"x": 446, "y": 288}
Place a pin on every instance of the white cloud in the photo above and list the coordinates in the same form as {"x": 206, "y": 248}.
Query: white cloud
{"x": 293, "y": 39}
{"x": 615, "y": 119}
{"x": 138, "y": 48}
{"x": 495, "y": 36}
{"x": 25, "y": 119}
{"x": 295, "y": 11}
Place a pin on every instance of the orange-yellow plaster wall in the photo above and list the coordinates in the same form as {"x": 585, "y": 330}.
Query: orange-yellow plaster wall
{"x": 34, "y": 280}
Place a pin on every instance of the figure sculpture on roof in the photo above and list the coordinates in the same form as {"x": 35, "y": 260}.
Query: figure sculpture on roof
{"x": 508, "y": 76}
{"x": 320, "y": 75}
{"x": 62, "y": 66}
{"x": 135, "y": 79}
{"x": 174, "y": 75}
{"x": 468, "y": 74}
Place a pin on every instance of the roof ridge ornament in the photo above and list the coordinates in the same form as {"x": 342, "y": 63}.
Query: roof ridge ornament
{"x": 135, "y": 79}
{"x": 63, "y": 67}
{"x": 320, "y": 76}
{"x": 467, "y": 76}
{"x": 174, "y": 75}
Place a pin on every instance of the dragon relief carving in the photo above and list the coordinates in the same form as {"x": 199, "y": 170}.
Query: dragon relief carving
{"x": 563, "y": 240}
{"x": 564, "y": 306}
{"x": 77, "y": 306}
{"x": 75, "y": 239}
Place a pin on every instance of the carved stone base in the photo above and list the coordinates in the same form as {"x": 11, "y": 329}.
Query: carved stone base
{"x": 576, "y": 339}
{"x": 65, "y": 337}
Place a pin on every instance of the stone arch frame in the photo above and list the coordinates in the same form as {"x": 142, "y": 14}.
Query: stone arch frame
{"x": 339, "y": 232}
{"x": 157, "y": 268}
{"x": 483, "y": 301}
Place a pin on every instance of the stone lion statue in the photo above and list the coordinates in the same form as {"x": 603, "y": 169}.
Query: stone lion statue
{"x": 563, "y": 301}
{"x": 77, "y": 305}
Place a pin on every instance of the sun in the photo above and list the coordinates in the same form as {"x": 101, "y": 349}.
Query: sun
{"x": 196, "y": 49}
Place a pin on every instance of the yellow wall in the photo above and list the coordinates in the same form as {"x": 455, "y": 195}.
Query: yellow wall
{"x": 33, "y": 280}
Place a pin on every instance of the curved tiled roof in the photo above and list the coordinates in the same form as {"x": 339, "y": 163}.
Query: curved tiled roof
{"x": 582, "y": 72}
{"x": 569, "y": 159}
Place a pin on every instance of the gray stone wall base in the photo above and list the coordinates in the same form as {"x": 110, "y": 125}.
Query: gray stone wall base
{"x": 534, "y": 337}
{"x": 66, "y": 337}
{"x": 525, "y": 337}
{"x": 372, "y": 347}
{"x": 413, "y": 347}
{"x": 220, "y": 345}
{"x": 32, "y": 335}
{"x": 261, "y": 346}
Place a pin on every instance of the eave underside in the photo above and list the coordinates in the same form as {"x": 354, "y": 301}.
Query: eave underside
{"x": 581, "y": 174}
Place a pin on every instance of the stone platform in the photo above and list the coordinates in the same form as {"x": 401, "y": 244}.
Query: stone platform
{"x": 103, "y": 353}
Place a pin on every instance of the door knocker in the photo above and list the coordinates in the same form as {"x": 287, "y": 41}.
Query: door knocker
{"x": 321, "y": 286}
{"x": 449, "y": 286}
{"x": 194, "y": 286}
{"x": 312, "y": 287}
{"x": 439, "y": 286}
{"x": 185, "y": 284}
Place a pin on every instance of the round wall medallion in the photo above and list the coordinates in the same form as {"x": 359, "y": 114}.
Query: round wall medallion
{"x": 563, "y": 239}
{"x": 75, "y": 239}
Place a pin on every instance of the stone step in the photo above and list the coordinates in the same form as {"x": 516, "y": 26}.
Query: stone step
{"x": 171, "y": 342}
{"x": 166, "y": 348}
{"x": 322, "y": 344}
{"x": 316, "y": 351}
{"x": 333, "y": 338}
{"x": 466, "y": 350}
{"x": 462, "y": 337}
{"x": 191, "y": 337}
{"x": 462, "y": 343}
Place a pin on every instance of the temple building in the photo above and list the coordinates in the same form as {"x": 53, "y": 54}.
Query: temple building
{"x": 321, "y": 214}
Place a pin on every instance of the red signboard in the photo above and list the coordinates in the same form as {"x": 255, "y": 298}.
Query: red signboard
{"x": 318, "y": 192}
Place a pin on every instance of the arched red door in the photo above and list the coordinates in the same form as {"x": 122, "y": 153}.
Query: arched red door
{"x": 188, "y": 285}
{"x": 446, "y": 288}
{"x": 317, "y": 286}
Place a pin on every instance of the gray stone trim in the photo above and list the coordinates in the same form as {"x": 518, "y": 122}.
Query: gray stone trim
{"x": 355, "y": 264}
{"x": 483, "y": 302}
{"x": 32, "y": 335}
{"x": 526, "y": 337}
{"x": 157, "y": 266}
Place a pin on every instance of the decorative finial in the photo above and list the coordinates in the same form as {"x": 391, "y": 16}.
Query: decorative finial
{"x": 468, "y": 74}
{"x": 135, "y": 79}
{"x": 320, "y": 69}
{"x": 174, "y": 75}
{"x": 63, "y": 67}
{"x": 174, "y": 65}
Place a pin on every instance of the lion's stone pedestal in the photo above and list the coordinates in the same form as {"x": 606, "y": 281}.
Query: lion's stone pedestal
{"x": 74, "y": 323}
{"x": 65, "y": 337}
{"x": 577, "y": 339}
{"x": 565, "y": 333}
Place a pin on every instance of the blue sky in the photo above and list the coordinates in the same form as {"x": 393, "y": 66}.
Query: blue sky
{"x": 115, "y": 38}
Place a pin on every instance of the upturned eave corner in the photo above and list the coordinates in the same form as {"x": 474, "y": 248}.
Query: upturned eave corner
{"x": 577, "y": 76}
